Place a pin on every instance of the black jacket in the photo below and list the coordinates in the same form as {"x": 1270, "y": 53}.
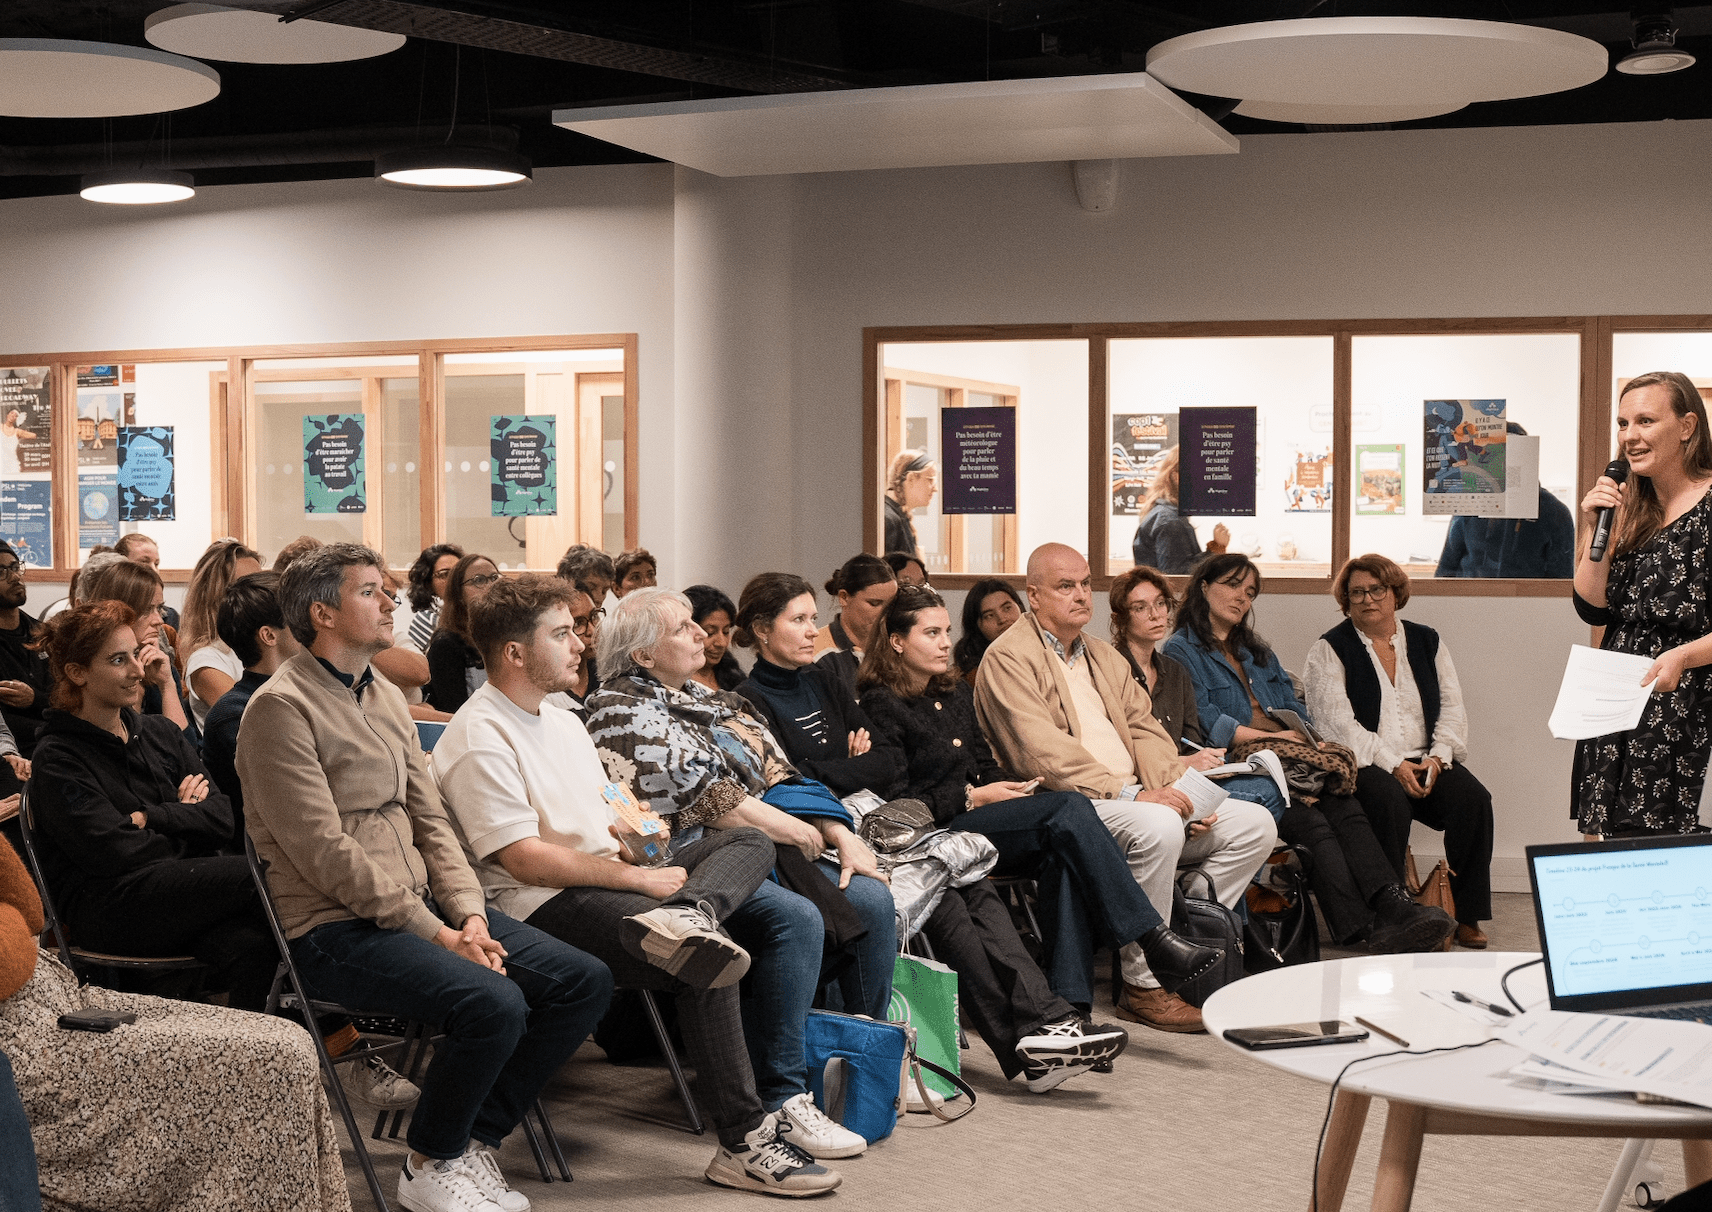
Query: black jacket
{"x": 20, "y": 664}
{"x": 771, "y": 688}
{"x": 449, "y": 659}
{"x": 84, "y": 787}
{"x": 900, "y": 530}
{"x": 942, "y": 745}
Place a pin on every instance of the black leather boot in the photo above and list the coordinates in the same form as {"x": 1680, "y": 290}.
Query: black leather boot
{"x": 1400, "y": 925}
{"x": 1174, "y": 959}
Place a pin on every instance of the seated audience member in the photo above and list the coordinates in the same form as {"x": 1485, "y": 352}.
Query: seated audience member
{"x": 130, "y": 832}
{"x": 403, "y": 665}
{"x": 523, "y": 784}
{"x": 252, "y": 624}
{"x": 211, "y": 668}
{"x": 1165, "y": 539}
{"x": 989, "y": 609}
{"x": 714, "y": 613}
{"x": 426, "y": 593}
{"x": 24, "y": 681}
{"x": 908, "y": 568}
{"x": 144, "y": 550}
{"x": 585, "y": 625}
{"x": 453, "y": 662}
{"x": 591, "y": 570}
{"x": 1238, "y": 681}
{"x": 862, "y": 586}
{"x": 1088, "y": 896}
{"x": 1407, "y": 725}
{"x": 701, "y": 760}
{"x": 1537, "y": 548}
{"x": 379, "y": 905}
{"x": 1062, "y": 705}
{"x": 139, "y": 588}
{"x": 301, "y": 545}
{"x": 190, "y": 1105}
{"x": 912, "y": 479}
{"x": 635, "y": 569}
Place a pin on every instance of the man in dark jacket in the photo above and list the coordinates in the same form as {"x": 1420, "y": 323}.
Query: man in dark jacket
{"x": 24, "y": 680}
{"x": 1540, "y": 548}
{"x": 250, "y": 623}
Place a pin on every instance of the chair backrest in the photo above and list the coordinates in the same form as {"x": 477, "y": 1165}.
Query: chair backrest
{"x": 258, "y": 873}
{"x": 50, "y": 919}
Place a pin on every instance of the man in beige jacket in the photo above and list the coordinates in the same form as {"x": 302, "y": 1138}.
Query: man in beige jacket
{"x": 1063, "y": 706}
{"x": 381, "y": 909}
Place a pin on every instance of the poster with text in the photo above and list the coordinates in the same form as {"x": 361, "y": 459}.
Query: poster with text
{"x": 1309, "y": 479}
{"x": 1379, "y": 481}
{"x": 97, "y": 511}
{"x": 1216, "y": 476}
{"x": 1139, "y": 442}
{"x": 978, "y": 471}
{"x": 26, "y": 520}
{"x": 145, "y": 478}
{"x": 523, "y": 462}
{"x": 333, "y": 464}
{"x": 26, "y": 421}
{"x": 1463, "y": 460}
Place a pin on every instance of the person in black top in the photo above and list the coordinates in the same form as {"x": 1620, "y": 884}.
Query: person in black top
{"x": 715, "y": 614}
{"x": 911, "y": 482}
{"x": 250, "y": 623}
{"x": 990, "y": 608}
{"x": 863, "y": 585}
{"x": 24, "y": 680}
{"x": 130, "y": 831}
{"x": 454, "y": 665}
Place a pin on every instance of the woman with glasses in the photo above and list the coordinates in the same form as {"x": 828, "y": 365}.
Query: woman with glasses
{"x": 455, "y": 668}
{"x": 1406, "y": 723}
{"x": 211, "y": 668}
{"x": 425, "y": 594}
{"x": 139, "y": 587}
{"x": 1239, "y": 684}
{"x": 585, "y": 623}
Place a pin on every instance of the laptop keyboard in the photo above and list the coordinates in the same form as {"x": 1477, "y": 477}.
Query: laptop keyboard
{"x": 1699, "y": 1012}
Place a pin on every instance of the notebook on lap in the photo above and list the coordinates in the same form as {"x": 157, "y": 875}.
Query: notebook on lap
{"x": 1626, "y": 926}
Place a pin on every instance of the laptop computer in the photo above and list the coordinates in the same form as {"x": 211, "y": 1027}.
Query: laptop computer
{"x": 1626, "y": 926}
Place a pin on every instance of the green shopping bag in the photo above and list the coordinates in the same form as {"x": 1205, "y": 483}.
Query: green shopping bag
{"x": 927, "y": 991}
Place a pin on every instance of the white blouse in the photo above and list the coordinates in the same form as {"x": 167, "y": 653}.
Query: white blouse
{"x": 1402, "y": 730}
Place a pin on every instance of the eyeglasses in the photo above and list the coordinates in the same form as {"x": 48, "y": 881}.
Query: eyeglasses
{"x": 442, "y": 573}
{"x": 12, "y": 570}
{"x": 588, "y": 622}
{"x": 484, "y": 580}
{"x": 1369, "y": 595}
{"x": 1154, "y": 608}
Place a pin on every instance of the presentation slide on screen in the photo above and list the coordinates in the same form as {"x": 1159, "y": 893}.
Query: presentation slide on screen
{"x": 1634, "y": 920}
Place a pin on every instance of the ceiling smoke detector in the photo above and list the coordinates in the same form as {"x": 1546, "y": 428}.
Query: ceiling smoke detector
{"x": 1655, "y": 53}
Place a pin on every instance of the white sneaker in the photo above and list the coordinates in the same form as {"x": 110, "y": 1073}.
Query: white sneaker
{"x": 376, "y": 1083}
{"x": 488, "y": 1177}
{"x": 686, "y": 943}
{"x": 769, "y": 1162}
{"x": 442, "y": 1186}
{"x": 814, "y": 1133}
{"x": 1060, "y": 1051}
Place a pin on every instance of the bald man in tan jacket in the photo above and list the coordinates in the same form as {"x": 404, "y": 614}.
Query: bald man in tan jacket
{"x": 1061, "y": 705}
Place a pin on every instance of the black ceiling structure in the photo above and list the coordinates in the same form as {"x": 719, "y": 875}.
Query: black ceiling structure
{"x": 494, "y": 72}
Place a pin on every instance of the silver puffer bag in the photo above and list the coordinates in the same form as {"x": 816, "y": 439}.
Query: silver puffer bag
{"x": 921, "y": 859}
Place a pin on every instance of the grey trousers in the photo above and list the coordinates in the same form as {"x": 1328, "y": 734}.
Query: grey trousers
{"x": 725, "y": 867}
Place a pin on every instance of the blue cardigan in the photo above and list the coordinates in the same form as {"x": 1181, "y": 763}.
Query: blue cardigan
{"x": 1219, "y": 697}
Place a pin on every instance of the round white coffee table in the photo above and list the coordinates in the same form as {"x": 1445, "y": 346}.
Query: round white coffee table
{"x": 1463, "y": 1093}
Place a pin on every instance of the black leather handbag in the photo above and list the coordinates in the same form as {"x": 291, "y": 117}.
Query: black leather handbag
{"x": 1281, "y": 929}
{"x": 1203, "y": 920}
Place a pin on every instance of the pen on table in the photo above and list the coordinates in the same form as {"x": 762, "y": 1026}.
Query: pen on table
{"x": 1396, "y": 1039}
{"x": 1489, "y": 1007}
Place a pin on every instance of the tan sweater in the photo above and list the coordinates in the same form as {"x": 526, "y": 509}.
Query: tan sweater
{"x": 1023, "y": 700}
{"x": 342, "y": 809}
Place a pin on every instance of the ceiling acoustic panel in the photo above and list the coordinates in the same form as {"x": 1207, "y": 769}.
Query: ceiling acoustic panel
{"x": 231, "y": 35}
{"x": 923, "y": 126}
{"x": 55, "y": 78}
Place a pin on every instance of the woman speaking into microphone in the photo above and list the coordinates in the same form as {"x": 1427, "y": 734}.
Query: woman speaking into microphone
{"x": 1650, "y": 593}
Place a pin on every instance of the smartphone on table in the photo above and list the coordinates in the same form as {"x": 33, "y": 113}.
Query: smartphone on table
{"x": 1296, "y": 1035}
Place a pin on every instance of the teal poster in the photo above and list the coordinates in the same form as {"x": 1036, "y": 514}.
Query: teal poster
{"x": 145, "y": 474}
{"x": 525, "y": 467}
{"x": 334, "y": 463}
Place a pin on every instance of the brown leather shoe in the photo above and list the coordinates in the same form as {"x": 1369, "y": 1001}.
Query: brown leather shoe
{"x": 1157, "y": 1009}
{"x": 1472, "y": 937}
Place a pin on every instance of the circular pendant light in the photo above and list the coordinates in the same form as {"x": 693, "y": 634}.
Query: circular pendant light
{"x": 55, "y": 78}
{"x": 137, "y": 186}
{"x": 235, "y": 35}
{"x": 1655, "y": 53}
{"x": 453, "y": 169}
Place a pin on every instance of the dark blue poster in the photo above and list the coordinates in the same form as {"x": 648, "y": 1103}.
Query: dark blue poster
{"x": 145, "y": 474}
{"x": 26, "y": 520}
{"x": 978, "y": 449}
{"x": 1216, "y": 468}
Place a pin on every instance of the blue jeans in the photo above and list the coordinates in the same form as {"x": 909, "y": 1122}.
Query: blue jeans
{"x": 506, "y": 1035}
{"x": 1257, "y": 789}
{"x": 865, "y": 987}
{"x": 18, "y": 1189}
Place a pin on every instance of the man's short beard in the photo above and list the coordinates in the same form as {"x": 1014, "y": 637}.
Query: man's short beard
{"x": 14, "y": 596}
{"x": 547, "y": 676}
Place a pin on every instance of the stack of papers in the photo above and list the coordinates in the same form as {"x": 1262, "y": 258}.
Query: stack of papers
{"x": 1203, "y": 793}
{"x": 1602, "y": 1053}
{"x": 1601, "y": 694}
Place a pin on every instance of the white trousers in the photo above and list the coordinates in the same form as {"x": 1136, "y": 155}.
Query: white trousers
{"x": 1153, "y": 839}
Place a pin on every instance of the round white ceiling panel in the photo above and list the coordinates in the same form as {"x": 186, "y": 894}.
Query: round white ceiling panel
{"x": 1378, "y": 61}
{"x": 1341, "y": 115}
{"x": 233, "y": 35}
{"x": 53, "y": 78}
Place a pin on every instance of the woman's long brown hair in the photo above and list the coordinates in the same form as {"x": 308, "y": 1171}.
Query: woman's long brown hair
{"x": 1642, "y": 516}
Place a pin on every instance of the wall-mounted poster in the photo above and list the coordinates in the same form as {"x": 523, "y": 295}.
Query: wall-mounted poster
{"x": 1308, "y": 480}
{"x": 145, "y": 478}
{"x": 524, "y": 465}
{"x": 1139, "y": 441}
{"x": 1216, "y": 471}
{"x": 333, "y": 464}
{"x": 978, "y": 469}
{"x": 26, "y": 520}
{"x": 26, "y": 421}
{"x": 1463, "y": 461}
{"x": 97, "y": 511}
{"x": 103, "y": 405}
{"x": 1379, "y": 480}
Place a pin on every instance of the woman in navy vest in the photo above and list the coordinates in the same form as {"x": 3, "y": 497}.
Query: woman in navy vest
{"x": 1405, "y": 720}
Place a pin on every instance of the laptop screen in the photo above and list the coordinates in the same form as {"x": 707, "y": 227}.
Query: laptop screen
{"x": 1625, "y": 923}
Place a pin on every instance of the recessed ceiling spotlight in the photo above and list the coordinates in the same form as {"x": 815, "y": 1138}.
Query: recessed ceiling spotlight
{"x": 455, "y": 168}
{"x": 137, "y": 186}
{"x": 1655, "y": 53}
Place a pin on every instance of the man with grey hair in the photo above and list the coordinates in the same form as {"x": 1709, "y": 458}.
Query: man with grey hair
{"x": 378, "y": 903}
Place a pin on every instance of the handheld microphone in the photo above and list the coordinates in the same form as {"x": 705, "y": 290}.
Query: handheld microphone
{"x": 1618, "y": 470}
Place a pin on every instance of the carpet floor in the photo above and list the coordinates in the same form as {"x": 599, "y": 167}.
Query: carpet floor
{"x": 1185, "y": 1122}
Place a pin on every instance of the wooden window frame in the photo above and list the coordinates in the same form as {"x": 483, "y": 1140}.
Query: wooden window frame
{"x": 230, "y": 483}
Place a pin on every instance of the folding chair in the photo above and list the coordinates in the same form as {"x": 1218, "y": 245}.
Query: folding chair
{"x": 78, "y": 958}
{"x": 1020, "y": 891}
{"x": 665, "y": 1040}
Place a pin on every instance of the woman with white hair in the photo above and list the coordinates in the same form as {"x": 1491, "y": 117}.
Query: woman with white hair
{"x": 702, "y": 761}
